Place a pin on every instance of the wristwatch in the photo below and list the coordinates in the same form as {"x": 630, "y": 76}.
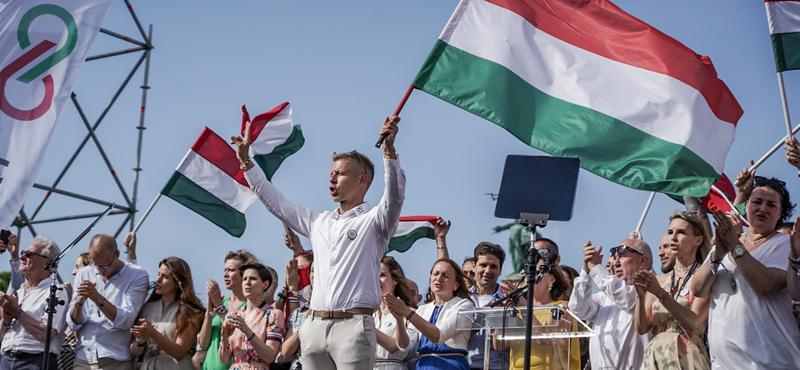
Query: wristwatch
{"x": 738, "y": 251}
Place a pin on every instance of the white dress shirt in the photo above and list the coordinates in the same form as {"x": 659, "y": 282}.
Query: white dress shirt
{"x": 99, "y": 337}
{"x": 387, "y": 324}
{"x": 33, "y": 302}
{"x": 348, "y": 247}
{"x": 453, "y": 328}
{"x": 617, "y": 344}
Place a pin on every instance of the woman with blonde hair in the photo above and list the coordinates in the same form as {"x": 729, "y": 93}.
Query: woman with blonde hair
{"x": 667, "y": 308}
{"x": 170, "y": 320}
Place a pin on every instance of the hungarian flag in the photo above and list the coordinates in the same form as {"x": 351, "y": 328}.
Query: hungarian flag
{"x": 585, "y": 79}
{"x": 409, "y": 230}
{"x": 273, "y": 137}
{"x": 209, "y": 182}
{"x": 784, "y": 29}
{"x": 719, "y": 198}
{"x": 43, "y": 45}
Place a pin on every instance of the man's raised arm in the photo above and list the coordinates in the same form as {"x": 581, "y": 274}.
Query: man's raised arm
{"x": 394, "y": 192}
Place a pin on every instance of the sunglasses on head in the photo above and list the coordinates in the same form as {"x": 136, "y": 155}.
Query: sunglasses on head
{"x": 621, "y": 249}
{"x": 761, "y": 180}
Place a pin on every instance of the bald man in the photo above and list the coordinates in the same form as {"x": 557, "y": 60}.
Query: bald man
{"x": 611, "y": 308}
{"x": 108, "y": 296}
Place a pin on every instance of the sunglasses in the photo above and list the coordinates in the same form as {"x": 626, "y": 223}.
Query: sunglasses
{"x": 761, "y": 180}
{"x": 621, "y": 249}
{"x": 26, "y": 254}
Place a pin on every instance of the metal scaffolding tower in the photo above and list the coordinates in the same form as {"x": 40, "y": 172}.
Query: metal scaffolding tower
{"x": 128, "y": 208}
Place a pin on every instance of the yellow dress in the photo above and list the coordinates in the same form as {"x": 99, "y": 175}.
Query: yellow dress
{"x": 548, "y": 354}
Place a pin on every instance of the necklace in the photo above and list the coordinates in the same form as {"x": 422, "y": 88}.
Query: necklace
{"x": 686, "y": 278}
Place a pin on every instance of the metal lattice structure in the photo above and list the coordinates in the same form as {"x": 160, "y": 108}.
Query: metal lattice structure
{"x": 128, "y": 209}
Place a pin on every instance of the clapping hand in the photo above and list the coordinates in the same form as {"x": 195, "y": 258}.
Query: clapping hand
{"x": 214, "y": 294}
{"x": 292, "y": 276}
{"x": 591, "y": 256}
{"x": 86, "y": 289}
{"x": 727, "y": 234}
{"x": 235, "y": 321}
{"x": 143, "y": 329}
{"x": 647, "y": 280}
{"x": 10, "y": 305}
{"x": 396, "y": 306}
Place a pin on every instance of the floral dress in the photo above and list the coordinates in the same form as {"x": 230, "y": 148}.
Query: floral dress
{"x": 673, "y": 346}
{"x": 267, "y": 324}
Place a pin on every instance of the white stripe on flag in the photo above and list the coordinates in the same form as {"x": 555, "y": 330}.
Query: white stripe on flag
{"x": 406, "y": 227}
{"x": 275, "y": 133}
{"x": 783, "y": 16}
{"x": 655, "y": 103}
{"x": 208, "y": 176}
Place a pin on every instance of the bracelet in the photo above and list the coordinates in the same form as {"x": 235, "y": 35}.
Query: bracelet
{"x": 410, "y": 315}
{"x": 251, "y": 336}
{"x": 794, "y": 263}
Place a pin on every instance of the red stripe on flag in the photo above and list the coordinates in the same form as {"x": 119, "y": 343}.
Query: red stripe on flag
{"x": 431, "y": 219}
{"x": 260, "y": 121}
{"x": 714, "y": 201}
{"x": 604, "y": 29}
{"x": 216, "y": 150}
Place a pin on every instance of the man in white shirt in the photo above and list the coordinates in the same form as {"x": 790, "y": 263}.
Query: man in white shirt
{"x": 24, "y": 318}
{"x": 108, "y": 296}
{"x": 617, "y": 344}
{"x": 489, "y": 258}
{"x": 348, "y": 243}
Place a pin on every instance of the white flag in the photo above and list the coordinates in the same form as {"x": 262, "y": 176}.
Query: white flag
{"x": 42, "y": 47}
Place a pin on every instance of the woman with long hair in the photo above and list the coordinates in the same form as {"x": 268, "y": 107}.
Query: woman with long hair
{"x": 667, "y": 307}
{"x": 443, "y": 334}
{"x": 251, "y": 337}
{"x": 169, "y": 321}
{"x": 395, "y": 339}
{"x": 217, "y": 307}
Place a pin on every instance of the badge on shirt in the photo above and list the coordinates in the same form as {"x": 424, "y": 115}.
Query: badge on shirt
{"x": 352, "y": 234}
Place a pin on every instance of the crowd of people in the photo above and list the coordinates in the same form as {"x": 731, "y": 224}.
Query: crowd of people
{"x": 725, "y": 297}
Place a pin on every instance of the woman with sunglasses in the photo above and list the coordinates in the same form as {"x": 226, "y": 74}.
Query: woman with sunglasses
{"x": 169, "y": 321}
{"x": 750, "y": 323}
{"x": 667, "y": 308}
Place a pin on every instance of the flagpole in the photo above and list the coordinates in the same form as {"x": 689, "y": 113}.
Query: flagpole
{"x": 147, "y": 212}
{"x": 644, "y": 212}
{"x": 774, "y": 149}
{"x": 730, "y": 204}
{"x": 786, "y": 119}
{"x": 397, "y": 111}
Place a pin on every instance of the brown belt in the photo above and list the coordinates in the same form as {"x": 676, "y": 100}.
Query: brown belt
{"x": 340, "y": 314}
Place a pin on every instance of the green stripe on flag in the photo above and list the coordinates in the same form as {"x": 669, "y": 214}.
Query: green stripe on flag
{"x": 199, "y": 200}
{"x": 403, "y": 242}
{"x": 607, "y": 147}
{"x": 269, "y": 163}
{"x": 786, "y": 47}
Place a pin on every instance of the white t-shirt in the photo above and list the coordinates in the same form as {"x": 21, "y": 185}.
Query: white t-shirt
{"x": 748, "y": 331}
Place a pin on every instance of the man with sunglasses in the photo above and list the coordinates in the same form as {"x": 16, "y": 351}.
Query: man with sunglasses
{"x": 24, "y": 317}
{"x": 108, "y": 296}
{"x": 348, "y": 245}
{"x": 611, "y": 307}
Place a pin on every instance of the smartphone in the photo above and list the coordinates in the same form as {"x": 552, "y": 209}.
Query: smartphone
{"x": 4, "y": 236}
{"x": 305, "y": 278}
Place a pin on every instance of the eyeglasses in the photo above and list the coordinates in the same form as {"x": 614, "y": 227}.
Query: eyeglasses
{"x": 621, "y": 249}
{"x": 761, "y": 180}
{"x": 26, "y": 254}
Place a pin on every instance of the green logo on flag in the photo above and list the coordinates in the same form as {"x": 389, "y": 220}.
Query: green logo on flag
{"x": 32, "y": 54}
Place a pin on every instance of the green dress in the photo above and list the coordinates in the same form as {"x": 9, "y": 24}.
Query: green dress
{"x": 212, "y": 361}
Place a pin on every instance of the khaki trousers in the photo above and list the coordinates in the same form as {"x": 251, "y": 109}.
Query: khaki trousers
{"x": 343, "y": 344}
{"x": 104, "y": 363}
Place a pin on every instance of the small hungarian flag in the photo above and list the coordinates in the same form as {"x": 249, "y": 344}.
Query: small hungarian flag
{"x": 209, "y": 182}
{"x": 273, "y": 137}
{"x": 585, "y": 79}
{"x": 784, "y": 29}
{"x": 409, "y": 230}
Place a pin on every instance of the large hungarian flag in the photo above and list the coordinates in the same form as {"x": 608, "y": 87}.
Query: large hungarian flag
{"x": 784, "y": 29}
{"x": 585, "y": 79}
{"x": 274, "y": 137}
{"x": 209, "y": 182}
{"x": 409, "y": 230}
{"x": 42, "y": 47}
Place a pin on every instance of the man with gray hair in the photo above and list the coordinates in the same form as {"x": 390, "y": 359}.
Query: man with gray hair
{"x": 108, "y": 296}
{"x": 611, "y": 308}
{"x": 24, "y": 326}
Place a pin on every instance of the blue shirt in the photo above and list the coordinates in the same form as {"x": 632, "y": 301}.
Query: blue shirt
{"x": 99, "y": 337}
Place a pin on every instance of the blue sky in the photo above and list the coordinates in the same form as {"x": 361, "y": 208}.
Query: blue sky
{"x": 344, "y": 66}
